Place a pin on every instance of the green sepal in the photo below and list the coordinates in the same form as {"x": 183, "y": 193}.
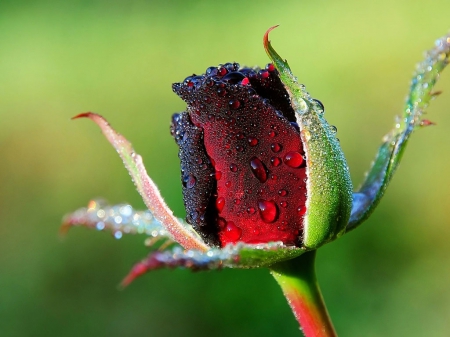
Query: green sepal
{"x": 238, "y": 255}
{"x": 329, "y": 185}
{"x": 391, "y": 150}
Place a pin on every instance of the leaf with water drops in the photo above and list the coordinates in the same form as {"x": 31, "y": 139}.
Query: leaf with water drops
{"x": 390, "y": 152}
{"x": 238, "y": 255}
{"x": 181, "y": 233}
{"x": 118, "y": 219}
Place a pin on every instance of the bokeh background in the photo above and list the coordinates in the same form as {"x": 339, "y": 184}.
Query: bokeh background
{"x": 118, "y": 58}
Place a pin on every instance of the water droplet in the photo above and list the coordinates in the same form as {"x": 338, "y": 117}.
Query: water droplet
{"x": 221, "y": 222}
{"x": 264, "y": 74}
{"x": 233, "y": 77}
{"x": 333, "y": 129}
{"x": 275, "y": 161}
{"x": 222, "y": 71}
{"x": 189, "y": 181}
{"x": 283, "y": 204}
{"x": 234, "y": 104}
{"x": 233, "y": 167}
{"x": 245, "y": 81}
{"x": 270, "y": 67}
{"x": 319, "y": 106}
{"x": 282, "y": 193}
{"x": 276, "y": 147}
{"x": 100, "y": 225}
{"x": 306, "y": 134}
{"x": 211, "y": 71}
{"x": 221, "y": 92}
{"x": 118, "y": 235}
{"x": 301, "y": 210}
{"x": 252, "y": 141}
{"x": 237, "y": 201}
{"x": 228, "y": 184}
{"x": 232, "y": 232}
{"x": 251, "y": 210}
{"x": 293, "y": 159}
{"x": 272, "y": 134}
{"x": 220, "y": 203}
{"x": 267, "y": 210}
{"x": 258, "y": 169}
{"x": 218, "y": 175}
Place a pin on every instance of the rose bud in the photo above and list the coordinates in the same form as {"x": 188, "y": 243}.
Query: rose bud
{"x": 263, "y": 176}
{"x": 258, "y": 165}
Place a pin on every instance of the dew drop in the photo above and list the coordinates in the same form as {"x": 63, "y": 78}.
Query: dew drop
{"x": 233, "y": 167}
{"x": 333, "y": 129}
{"x": 228, "y": 184}
{"x": 282, "y": 193}
{"x": 218, "y": 175}
{"x": 275, "y": 161}
{"x": 221, "y": 92}
{"x": 264, "y": 74}
{"x": 301, "y": 210}
{"x": 293, "y": 159}
{"x": 272, "y": 134}
{"x": 259, "y": 169}
{"x": 220, "y": 203}
{"x": 319, "y": 106}
{"x": 252, "y": 141}
{"x": 222, "y": 71}
{"x": 221, "y": 222}
{"x": 267, "y": 210}
{"x": 100, "y": 225}
{"x": 233, "y": 77}
{"x": 270, "y": 67}
{"x": 234, "y": 104}
{"x": 251, "y": 210}
{"x": 245, "y": 81}
{"x": 211, "y": 71}
{"x": 189, "y": 181}
{"x": 232, "y": 232}
{"x": 283, "y": 204}
{"x": 276, "y": 147}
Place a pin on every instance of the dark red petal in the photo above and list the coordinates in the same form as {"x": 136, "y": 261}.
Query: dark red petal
{"x": 262, "y": 182}
{"x": 198, "y": 177}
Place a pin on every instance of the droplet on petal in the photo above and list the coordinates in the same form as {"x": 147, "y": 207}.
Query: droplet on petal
{"x": 293, "y": 159}
{"x": 232, "y": 232}
{"x": 234, "y": 104}
{"x": 220, "y": 203}
{"x": 259, "y": 169}
{"x": 268, "y": 210}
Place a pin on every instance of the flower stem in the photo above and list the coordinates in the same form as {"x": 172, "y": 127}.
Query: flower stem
{"x": 297, "y": 279}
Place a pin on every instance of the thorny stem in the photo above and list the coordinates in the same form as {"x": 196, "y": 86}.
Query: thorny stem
{"x": 297, "y": 279}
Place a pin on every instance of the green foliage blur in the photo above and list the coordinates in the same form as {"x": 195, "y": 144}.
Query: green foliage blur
{"x": 118, "y": 58}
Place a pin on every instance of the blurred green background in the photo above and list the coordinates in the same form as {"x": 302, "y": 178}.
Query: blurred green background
{"x": 118, "y": 58}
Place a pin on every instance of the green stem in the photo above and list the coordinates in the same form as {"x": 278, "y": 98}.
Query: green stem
{"x": 297, "y": 279}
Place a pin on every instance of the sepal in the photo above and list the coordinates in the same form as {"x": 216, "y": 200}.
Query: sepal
{"x": 238, "y": 255}
{"x": 329, "y": 185}
{"x": 368, "y": 195}
{"x": 146, "y": 187}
